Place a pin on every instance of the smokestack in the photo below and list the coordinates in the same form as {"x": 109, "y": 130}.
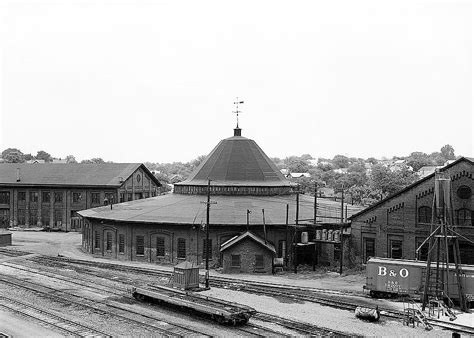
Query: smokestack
{"x": 18, "y": 178}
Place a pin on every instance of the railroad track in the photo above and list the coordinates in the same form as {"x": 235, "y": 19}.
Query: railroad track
{"x": 141, "y": 320}
{"x": 48, "y": 319}
{"x": 321, "y": 296}
{"x": 303, "y": 328}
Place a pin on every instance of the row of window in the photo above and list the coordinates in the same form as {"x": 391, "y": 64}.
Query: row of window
{"x": 45, "y": 216}
{"x": 395, "y": 248}
{"x": 77, "y": 197}
{"x": 462, "y": 217}
{"x": 159, "y": 245}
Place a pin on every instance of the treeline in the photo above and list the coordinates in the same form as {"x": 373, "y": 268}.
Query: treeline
{"x": 14, "y": 155}
{"x": 364, "y": 180}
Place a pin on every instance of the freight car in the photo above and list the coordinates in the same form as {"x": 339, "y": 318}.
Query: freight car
{"x": 222, "y": 311}
{"x": 391, "y": 277}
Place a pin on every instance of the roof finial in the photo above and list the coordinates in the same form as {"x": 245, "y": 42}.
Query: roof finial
{"x": 237, "y": 111}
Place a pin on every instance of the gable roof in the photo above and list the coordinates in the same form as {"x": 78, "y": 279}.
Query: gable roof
{"x": 72, "y": 174}
{"x": 426, "y": 178}
{"x": 247, "y": 234}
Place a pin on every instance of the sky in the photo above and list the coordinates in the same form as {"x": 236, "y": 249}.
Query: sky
{"x": 155, "y": 81}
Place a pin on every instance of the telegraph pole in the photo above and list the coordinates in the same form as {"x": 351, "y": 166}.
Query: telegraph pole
{"x": 207, "y": 228}
{"x": 341, "y": 230}
{"x": 248, "y": 214}
{"x": 315, "y": 201}
{"x": 296, "y": 227}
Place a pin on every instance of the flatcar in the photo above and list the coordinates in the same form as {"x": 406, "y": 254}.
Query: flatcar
{"x": 388, "y": 277}
{"x": 222, "y": 311}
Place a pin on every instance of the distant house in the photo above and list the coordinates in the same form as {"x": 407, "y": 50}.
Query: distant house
{"x": 58, "y": 160}
{"x": 34, "y": 161}
{"x": 427, "y": 170}
{"x": 340, "y": 171}
{"x": 299, "y": 175}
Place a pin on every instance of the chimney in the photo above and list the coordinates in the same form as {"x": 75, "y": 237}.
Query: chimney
{"x": 18, "y": 178}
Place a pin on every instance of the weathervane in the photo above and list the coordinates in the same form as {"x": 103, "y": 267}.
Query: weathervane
{"x": 237, "y": 111}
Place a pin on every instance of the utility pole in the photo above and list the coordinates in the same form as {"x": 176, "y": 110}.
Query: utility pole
{"x": 315, "y": 201}
{"x": 296, "y": 227}
{"x": 286, "y": 242}
{"x": 341, "y": 230}
{"x": 207, "y": 228}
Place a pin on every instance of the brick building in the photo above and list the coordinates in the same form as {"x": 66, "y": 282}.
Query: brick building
{"x": 397, "y": 225}
{"x": 250, "y": 194}
{"x": 50, "y": 195}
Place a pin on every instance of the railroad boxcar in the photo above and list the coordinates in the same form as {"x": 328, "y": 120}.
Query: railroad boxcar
{"x": 222, "y": 311}
{"x": 391, "y": 277}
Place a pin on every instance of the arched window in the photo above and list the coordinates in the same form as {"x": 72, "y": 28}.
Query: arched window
{"x": 424, "y": 214}
{"x": 464, "y": 217}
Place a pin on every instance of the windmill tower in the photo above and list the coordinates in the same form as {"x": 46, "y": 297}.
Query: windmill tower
{"x": 441, "y": 240}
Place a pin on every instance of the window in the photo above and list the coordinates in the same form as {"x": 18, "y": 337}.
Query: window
{"x": 97, "y": 240}
{"x": 58, "y": 217}
{"x": 33, "y": 196}
{"x": 76, "y": 197}
{"x": 33, "y": 216}
{"x": 259, "y": 262}
{"x": 395, "y": 249}
{"x": 424, "y": 214}
{"x": 337, "y": 251}
{"x": 110, "y": 197}
{"x": 282, "y": 249}
{"x": 45, "y": 197}
{"x": 21, "y": 196}
{"x": 160, "y": 247}
{"x": 369, "y": 248}
{"x": 235, "y": 261}
{"x": 21, "y": 216}
{"x": 138, "y": 195}
{"x": 140, "y": 245}
{"x": 423, "y": 253}
{"x": 45, "y": 216}
{"x": 4, "y": 197}
{"x": 464, "y": 217}
{"x": 122, "y": 197}
{"x": 108, "y": 242}
{"x": 95, "y": 197}
{"x": 58, "y": 197}
{"x": 121, "y": 243}
{"x": 181, "y": 248}
{"x": 147, "y": 194}
{"x": 129, "y": 196}
{"x": 464, "y": 192}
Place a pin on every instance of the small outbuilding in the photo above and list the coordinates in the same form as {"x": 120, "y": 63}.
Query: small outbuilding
{"x": 247, "y": 253}
{"x": 186, "y": 275}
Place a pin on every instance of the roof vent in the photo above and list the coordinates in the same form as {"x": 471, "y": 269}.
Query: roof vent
{"x": 237, "y": 131}
{"x": 18, "y": 178}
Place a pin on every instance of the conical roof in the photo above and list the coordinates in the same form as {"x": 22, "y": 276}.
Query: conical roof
{"x": 238, "y": 166}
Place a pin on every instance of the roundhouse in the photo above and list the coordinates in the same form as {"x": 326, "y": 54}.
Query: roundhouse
{"x": 248, "y": 195}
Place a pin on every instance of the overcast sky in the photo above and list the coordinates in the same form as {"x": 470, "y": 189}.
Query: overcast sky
{"x": 136, "y": 81}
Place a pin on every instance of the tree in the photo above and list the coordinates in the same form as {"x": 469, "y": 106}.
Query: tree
{"x": 28, "y": 157}
{"x": 447, "y": 152}
{"x": 70, "y": 159}
{"x": 95, "y": 160}
{"x": 340, "y": 161}
{"x": 13, "y": 155}
{"x": 43, "y": 155}
{"x": 388, "y": 182}
{"x": 418, "y": 159}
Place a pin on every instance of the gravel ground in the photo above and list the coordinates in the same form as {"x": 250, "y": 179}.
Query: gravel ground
{"x": 68, "y": 244}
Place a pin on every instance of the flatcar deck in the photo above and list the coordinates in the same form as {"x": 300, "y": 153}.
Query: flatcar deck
{"x": 222, "y": 311}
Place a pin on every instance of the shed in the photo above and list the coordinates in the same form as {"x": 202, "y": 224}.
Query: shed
{"x": 247, "y": 253}
{"x": 186, "y": 275}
